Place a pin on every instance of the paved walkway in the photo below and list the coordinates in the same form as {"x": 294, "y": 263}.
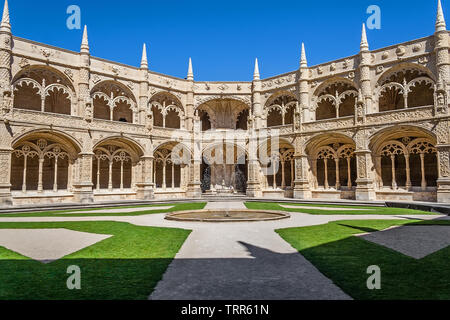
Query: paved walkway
{"x": 239, "y": 261}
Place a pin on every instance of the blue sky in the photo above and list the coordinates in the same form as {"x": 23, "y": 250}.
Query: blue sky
{"x": 223, "y": 37}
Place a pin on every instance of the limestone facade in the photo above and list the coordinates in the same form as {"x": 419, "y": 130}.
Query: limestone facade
{"x": 75, "y": 128}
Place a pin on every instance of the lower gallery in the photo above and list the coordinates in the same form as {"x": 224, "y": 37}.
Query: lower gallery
{"x": 80, "y": 129}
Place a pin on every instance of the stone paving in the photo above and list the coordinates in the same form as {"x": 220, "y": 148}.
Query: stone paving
{"x": 323, "y": 208}
{"x": 414, "y": 241}
{"x": 247, "y": 260}
{"x": 225, "y": 205}
{"x": 47, "y": 245}
{"x": 124, "y": 210}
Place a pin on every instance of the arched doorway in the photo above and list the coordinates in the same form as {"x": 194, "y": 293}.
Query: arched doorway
{"x": 114, "y": 165}
{"x": 224, "y": 169}
{"x": 43, "y": 162}
{"x": 406, "y": 163}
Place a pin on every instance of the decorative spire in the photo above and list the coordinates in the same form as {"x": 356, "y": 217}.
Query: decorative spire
{"x": 364, "y": 42}
{"x": 85, "y": 41}
{"x": 303, "y": 61}
{"x": 190, "y": 75}
{"x": 256, "y": 75}
{"x": 440, "y": 20}
{"x": 5, "y": 25}
{"x": 144, "y": 60}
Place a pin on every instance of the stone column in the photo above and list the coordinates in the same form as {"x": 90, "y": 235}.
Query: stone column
{"x": 314, "y": 171}
{"x": 365, "y": 57}
{"x": 164, "y": 182}
{"x": 338, "y": 182}
{"x": 121, "y": 175}
{"x": 394, "y": 181}
{"x": 55, "y": 182}
{"x": 325, "y": 163}
{"x": 40, "y": 173}
{"x": 98, "y": 173}
{"x": 441, "y": 48}
{"x": 83, "y": 192}
{"x": 408, "y": 173}
{"x": 349, "y": 173}
{"x": 24, "y": 181}
{"x": 110, "y": 184}
{"x": 143, "y": 97}
{"x": 365, "y": 190}
{"x": 84, "y": 89}
{"x": 302, "y": 189}
{"x": 253, "y": 184}
{"x": 422, "y": 168}
{"x": 194, "y": 188}
{"x": 145, "y": 189}
{"x": 173, "y": 176}
{"x": 5, "y": 177}
{"x": 378, "y": 170}
{"x": 292, "y": 173}
{"x": 443, "y": 182}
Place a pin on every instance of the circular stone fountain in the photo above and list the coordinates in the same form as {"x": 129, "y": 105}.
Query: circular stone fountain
{"x": 236, "y": 215}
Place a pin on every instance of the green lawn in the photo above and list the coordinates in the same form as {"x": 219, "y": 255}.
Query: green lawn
{"x": 344, "y": 258}
{"x": 374, "y": 210}
{"x": 92, "y": 212}
{"x": 126, "y": 266}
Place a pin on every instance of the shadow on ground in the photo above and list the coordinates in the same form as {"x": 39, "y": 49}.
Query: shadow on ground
{"x": 344, "y": 258}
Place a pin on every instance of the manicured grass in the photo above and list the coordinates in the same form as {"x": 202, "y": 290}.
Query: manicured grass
{"x": 344, "y": 258}
{"x": 373, "y": 210}
{"x": 92, "y": 212}
{"x": 126, "y": 266}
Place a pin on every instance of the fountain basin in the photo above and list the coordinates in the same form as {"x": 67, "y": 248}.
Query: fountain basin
{"x": 232, "y": 215}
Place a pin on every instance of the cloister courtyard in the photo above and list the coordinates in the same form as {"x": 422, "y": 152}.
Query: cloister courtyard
{"x": 325, "y": 182}
{"x": 320, "y": 252}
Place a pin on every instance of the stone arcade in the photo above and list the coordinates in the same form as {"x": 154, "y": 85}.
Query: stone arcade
{"x": 373, "y": 126}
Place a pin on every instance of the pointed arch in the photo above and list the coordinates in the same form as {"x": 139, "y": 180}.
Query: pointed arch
{"x": 167, "y": 109}
{"x": 43, "y": 88}
{"x": 114, "y": 101}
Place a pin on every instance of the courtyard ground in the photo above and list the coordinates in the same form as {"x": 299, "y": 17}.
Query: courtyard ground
{"x": 225, "y": 261}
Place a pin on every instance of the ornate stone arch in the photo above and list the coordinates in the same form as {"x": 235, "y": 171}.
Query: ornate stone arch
{"x": 421, "y": 145}
{"x": 334, "y": 98}
{"x": 399, "y": 152}
{"x": 167, "y": 109}
{"x": 43, "y": 160}
{"x": 52, "y": 75}
{"x": 280, "y": 108}
{"x": 174, "y": 101}
{"x": 200, "y": 100}
{"x": 114, "y": 101}
{"x": 396, "y": 132}
{"x": 323, "y": 139}
{"x": 223, "y": 112}
{"x": 70, "y": 143}
{"x": 280, "y": 93}
{"x": 403, "y": 86}
{"x": 134, "y": 148}
{"x": 331, "y": 81}
{"x": 115, "y": 87}
{"x": 43, "y": 88}
{"x": 404, "y": 67}
{"x": 182, "y": 147}
{"x": 392, "y": 147}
